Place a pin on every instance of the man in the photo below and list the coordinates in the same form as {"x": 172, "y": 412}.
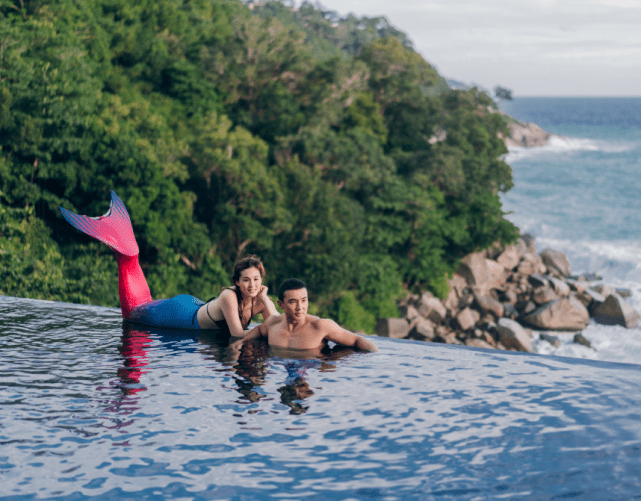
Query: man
{"x": 295, "y": 329}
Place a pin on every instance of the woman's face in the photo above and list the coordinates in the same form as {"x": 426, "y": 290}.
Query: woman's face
{"x": 250, "y": 282}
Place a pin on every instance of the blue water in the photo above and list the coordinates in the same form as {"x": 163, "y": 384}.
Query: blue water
{"x": 92, "y": 409}
{"x": 581, "y": 195}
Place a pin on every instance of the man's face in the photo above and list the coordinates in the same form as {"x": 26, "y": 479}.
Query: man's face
{"x": 294, "y": 304}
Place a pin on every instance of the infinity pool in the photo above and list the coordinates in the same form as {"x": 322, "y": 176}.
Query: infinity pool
{"x": 92, "y": 408}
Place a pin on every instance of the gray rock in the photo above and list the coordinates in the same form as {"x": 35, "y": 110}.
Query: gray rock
{"x": 544, "y": 295}
{"x": 421, "y": 329}
{"x": 473, "y": 269}
{"x": 560, "y": 286}
{"x": 576, "y": 285}
{"x": 553, "y": 340}
{"x": 392, "y": 327}
{"x": 512, "y": 335}
{"x": 409, "y": 312}
{"x": 580, "y": 339}
{"x": 526, "y": 307}
{"x": 487, "y": 303}
{"x": 614, "y": 311}
{"x": 431, "y": 308}
{"x": 510, "y": 257}
{"x": 510, "y": 311}
{"x": 537, "y": 280}
{"x": 590, "y": 298}
{"x": 564, "y": 314}
{"x": 557, "y": 262}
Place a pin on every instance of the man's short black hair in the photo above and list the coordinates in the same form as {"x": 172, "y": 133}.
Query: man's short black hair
{"x": 291, "y": 284}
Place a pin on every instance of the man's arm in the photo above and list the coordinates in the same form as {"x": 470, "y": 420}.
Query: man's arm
{"x": 334, "y": 332}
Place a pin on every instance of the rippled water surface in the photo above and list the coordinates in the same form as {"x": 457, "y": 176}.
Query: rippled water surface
{"x": 90, "y": 408}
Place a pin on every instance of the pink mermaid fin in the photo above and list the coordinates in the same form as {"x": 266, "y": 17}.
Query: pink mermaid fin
{"x": 114, "y": 229}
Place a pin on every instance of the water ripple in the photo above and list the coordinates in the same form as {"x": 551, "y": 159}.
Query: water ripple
{"x": 92, "y": 408}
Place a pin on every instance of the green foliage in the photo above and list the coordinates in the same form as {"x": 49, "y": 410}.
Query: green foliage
{"x": 325, "y": 145}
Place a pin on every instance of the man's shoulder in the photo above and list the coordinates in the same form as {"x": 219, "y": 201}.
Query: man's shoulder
{"x": 321, "y": 323}
{"x": 274, "y": 319}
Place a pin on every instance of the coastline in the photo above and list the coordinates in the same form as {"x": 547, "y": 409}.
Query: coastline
{"x": 508, "y": 297}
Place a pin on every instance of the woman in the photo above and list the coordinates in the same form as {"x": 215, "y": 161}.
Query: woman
{"x": 235, "y": 307}
{"x": 232, "y": 310}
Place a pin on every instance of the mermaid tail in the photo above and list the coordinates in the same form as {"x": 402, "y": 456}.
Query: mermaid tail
{"x": 114, "y": 229}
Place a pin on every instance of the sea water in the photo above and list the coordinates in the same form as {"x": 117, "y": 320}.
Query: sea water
{"x": 581, "y": 194}
{"x": 91, "y": 408}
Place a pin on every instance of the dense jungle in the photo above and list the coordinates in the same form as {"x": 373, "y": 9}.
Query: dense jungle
{"x": 325, "y": 145}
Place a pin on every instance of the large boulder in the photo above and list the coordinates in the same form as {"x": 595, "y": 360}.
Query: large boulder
{"x": 531, "y": 263}
{"x": 397, "y": 328}
{"x": 497, "y": 275}
{"x": 556, "y": 262}
{"x": 564, "y": 314}
{"x": 512, "y": 335}
{"x": 431, "y": 308}
{"x": 614, "y": 311}
{"x": 474, "y": 270}
{"x": 487, "y": 303}
{"x": 409, "y": 312}
{"x": 421, "y": 329}
{"x": 510, "y": 257}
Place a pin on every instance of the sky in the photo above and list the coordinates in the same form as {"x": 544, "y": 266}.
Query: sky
{"x": 532, "y": 47}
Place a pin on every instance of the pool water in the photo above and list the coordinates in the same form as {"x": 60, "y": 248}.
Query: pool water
{"x": 92, "y": 408}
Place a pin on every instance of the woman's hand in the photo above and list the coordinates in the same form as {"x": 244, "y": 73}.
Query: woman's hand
{"x": 269, "y": 308}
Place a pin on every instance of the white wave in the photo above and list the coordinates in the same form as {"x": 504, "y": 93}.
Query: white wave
{"x": 609, "y": 343}
{"x": 556, "y": 144}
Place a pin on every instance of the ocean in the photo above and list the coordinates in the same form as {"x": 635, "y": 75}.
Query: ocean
{"x": 580, "y": 195}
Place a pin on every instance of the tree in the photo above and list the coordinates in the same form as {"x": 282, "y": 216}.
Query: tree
{"x": 502, "y": 94}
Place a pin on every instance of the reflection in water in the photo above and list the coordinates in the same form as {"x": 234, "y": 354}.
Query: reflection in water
{"x": 247, "y": 365}
{"x": 134, "y": 350}
{"x": 135, "y": 344}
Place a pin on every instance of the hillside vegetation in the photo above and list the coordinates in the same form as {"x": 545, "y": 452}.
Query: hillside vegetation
{"x": 298, "y": 136}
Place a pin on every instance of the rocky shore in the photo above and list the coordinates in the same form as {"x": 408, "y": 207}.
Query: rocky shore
{"x": 503, "y": 297}
{"x": 527, "y": 135}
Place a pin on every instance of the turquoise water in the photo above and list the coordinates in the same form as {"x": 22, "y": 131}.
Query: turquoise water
{"x": 92, "y": 409}
{"x": 580, "y": 195}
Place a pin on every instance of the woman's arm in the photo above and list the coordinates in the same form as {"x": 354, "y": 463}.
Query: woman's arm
{"x": 267, "y": 305}
{"x": 229, "y": 307}
{"x": 257, "y": 332}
